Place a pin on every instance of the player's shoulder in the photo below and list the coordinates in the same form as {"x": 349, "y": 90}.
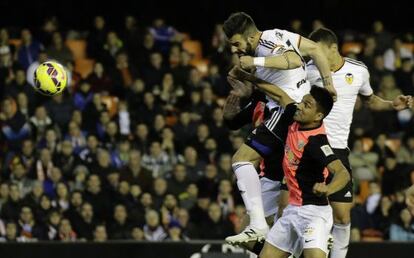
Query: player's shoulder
{"x": 317, "y": 140}
{"x": 273, "y": 35}
{"x": 355, "y": 64}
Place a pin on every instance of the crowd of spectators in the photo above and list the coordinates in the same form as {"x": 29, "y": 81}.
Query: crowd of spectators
{"x": 158, "y": 166}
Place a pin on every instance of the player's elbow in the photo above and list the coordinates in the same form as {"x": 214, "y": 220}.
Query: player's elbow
{"x": 345, "y": 175}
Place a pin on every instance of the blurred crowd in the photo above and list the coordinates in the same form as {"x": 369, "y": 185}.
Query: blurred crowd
{"x": 138, "y": 149}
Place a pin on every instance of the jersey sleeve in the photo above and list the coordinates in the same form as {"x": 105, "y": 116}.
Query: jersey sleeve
{"x": 320, "y": 150}
{"x": 289, "y": 112}
{"x": 366, "y": 89}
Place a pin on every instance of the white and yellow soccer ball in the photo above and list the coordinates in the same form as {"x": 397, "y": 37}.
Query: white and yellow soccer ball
{"x": 50, "y": 78}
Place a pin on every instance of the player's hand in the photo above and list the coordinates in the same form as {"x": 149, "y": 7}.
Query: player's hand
{"x": 402, "y": 102}
{"x": 240, "y": 89}
{"x": 238, "y": 73}
{"x": 246, "y": 62}
{"x": 409, "y": 199}
{"x": 332, "y": 91}
{"x": 231, "y": 106}
{"x": 320, "y": 189}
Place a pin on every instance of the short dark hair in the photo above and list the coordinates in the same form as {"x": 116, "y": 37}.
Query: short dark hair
{"x": 323, "y": 98}
{"x": 324, "y": 35}
{"x": 238, "y": 23}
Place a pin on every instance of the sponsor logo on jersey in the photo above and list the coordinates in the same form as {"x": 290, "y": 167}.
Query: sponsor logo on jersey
{"x": 300, "y": 83}
{"x": 349, "y": 78}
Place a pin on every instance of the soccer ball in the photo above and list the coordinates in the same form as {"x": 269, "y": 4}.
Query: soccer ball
{"x": 50, "y": 78}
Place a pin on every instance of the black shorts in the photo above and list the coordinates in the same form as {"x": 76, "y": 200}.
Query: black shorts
{"x": 271, "y": 148}
{"x": 346, "y": 194}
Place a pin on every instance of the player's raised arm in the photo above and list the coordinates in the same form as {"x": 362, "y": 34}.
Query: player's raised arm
{"x": 309, "y": 48}
{"x": 271, "y": 90}
{"x": 275, "y": 93}
{"x": 287, "y": 60}
{"x": 375, "y": 102}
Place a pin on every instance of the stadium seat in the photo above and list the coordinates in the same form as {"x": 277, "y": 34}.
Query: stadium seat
{"x": 78, "y": 48}
{"x": 171, "y": 120}
{"x": 351, "y": 47}
{"x": 15, "y": 42}
{"x": 111, "y": 103}
{"x": 84, "y": 66}
{"x": 201, "y": 65}
{"x": 193, "y": 47}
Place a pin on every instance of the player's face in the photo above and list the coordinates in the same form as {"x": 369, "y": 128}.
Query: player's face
{"x": 240, "y": 45}
{"x": 307, "y": 111}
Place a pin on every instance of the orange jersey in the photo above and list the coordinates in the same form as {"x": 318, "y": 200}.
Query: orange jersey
{"x": 307, "y": 153}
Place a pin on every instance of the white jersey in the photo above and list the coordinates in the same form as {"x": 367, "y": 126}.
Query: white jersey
{"x": 349, "y": 81}
{"x": 293, "y": 81}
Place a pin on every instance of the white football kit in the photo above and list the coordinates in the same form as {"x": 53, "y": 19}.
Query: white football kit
{"x": 351, "y": 79}
{"x": 293, "y": 81}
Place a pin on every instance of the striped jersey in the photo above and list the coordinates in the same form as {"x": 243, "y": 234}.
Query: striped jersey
{"x": 293, "y": 81}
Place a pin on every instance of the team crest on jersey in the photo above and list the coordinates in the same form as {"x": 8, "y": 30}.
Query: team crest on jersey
{"x": 349, "y": 78}
{"x": 290, "y": 156}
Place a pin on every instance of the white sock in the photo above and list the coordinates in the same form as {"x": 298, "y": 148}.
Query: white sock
{"x": 341, "y": 234}
{"x": 249, "y": 186}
